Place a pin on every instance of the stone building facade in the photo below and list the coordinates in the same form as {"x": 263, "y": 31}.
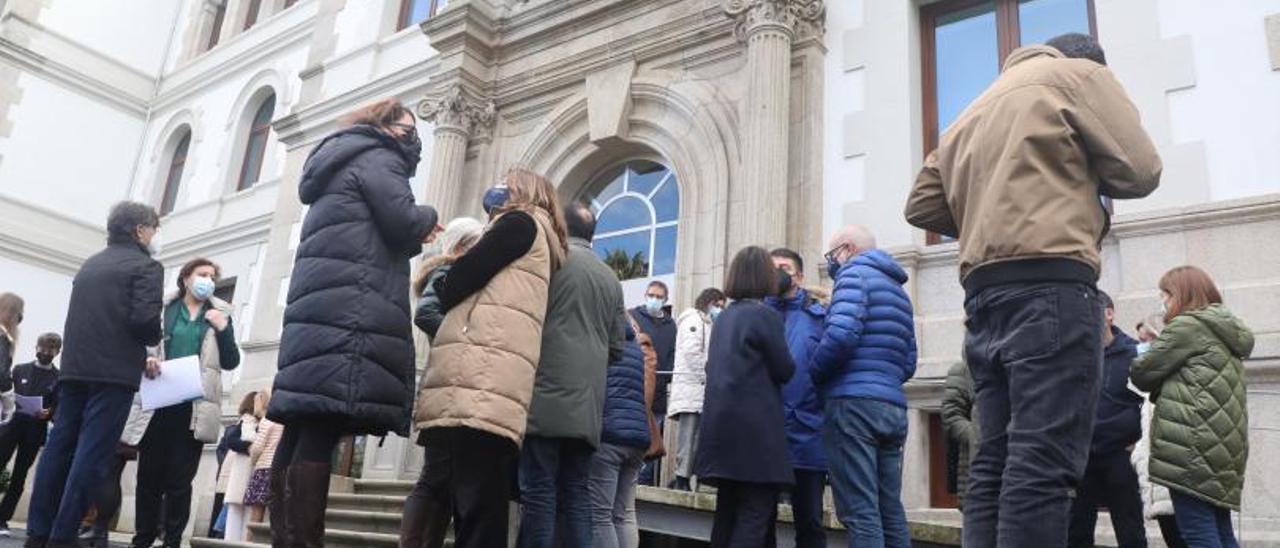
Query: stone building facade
{"x": 708, "y": 124}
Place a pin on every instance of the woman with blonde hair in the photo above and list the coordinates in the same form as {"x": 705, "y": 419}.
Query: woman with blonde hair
{"x": 474, "y": 403}
{"x": 1200, "y": 433}
{"x": 11, "y": 307}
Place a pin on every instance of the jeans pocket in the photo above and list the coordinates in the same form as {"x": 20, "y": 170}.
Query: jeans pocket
{"x": 1029, "y": 323}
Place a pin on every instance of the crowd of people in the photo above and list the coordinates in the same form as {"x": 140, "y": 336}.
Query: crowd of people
{"x": 542, "y": 388}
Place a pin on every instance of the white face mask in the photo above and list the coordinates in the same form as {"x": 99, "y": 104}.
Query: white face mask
{"x": 1143, "y": 348}
{"x": 155, "y": 246}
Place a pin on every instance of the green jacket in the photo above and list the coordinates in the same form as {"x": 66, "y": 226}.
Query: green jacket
{"x": 1200, "y": 433}
{"x": 957, "y": 420}
{"x": 582, "y": 334}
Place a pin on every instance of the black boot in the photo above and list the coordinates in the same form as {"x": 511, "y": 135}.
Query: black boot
{"x": 276, "y": 514}
{"x": 308, "y": 497}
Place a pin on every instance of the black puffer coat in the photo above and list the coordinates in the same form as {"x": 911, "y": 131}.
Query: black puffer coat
{"x": 346, "y": 352}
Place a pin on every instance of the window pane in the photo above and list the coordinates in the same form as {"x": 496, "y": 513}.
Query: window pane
{"x": 614, "y": 188}
{"x": 645, "y": 177}
{"x": 251, "y": 18}
{"x": 666, "y": 202}
{"x": 664, "y": 251}
{"x": 416, "y": 11}
{"x": 623, "y": 214}
{"x": 253, "y": 159}
{"x": 1040, "y": 20}
{"x": 627, "y": 255}
{"x": 215, "y": 32}
{"x": 967, "y": 53}
{"x": 263, "y": 116}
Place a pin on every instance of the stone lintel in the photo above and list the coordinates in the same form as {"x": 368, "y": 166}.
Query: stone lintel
{"x": 609, "y": 102}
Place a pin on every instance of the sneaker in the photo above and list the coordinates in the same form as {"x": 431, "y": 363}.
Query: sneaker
{"x": 4, "y": 530}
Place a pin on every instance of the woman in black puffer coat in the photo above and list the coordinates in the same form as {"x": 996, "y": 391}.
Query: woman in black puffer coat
{"x": 346, "y": 352}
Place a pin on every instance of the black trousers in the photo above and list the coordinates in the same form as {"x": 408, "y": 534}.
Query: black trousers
{"x": 806, "y": 507}
{"x": 746, "y": 515}
{"x": 1110, "y": 481}
{"x": 168, "y": 458}
{"x": 305, "y": 441}
{"x": 467, "y": 473}
{"x": 1169, "y": 530}
{"x": 24, "y": 435}
{"x": 109, "y": 494}
{"x": 1035, "y": 352}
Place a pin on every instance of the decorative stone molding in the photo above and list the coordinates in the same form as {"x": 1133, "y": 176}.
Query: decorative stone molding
{"x": 453, "y": 111}
{"x": 799, "y": 18}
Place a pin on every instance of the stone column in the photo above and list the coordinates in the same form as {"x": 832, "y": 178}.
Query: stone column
{"x": 458, "y": 119}
{"x": 769, "y": 27}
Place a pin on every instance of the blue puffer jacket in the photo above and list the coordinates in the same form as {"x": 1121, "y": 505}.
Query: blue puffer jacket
{"x": 626, "y": 421}
{"x": 802, "y": 316}
{"x": 868, "y": 346}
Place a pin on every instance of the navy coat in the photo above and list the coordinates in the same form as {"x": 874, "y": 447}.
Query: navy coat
{"x": 346, "y": 352}
{"x": 626, "y": 421}
{"x": 743, "y": 436}
{"x": 868, "y": 346}
{"x": 802, "y": 315}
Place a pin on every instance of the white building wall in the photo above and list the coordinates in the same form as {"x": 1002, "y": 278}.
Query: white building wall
{"x": 67, "y": 151}
{"x": 45, "y": 293}
{"x": 101, "y": 26}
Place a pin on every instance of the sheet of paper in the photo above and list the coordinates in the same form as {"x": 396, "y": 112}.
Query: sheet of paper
{"x": 29, "y": 405}
{"x": 178, "y": 382}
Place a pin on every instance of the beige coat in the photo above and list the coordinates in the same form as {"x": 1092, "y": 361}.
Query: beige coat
{"x": 481, "y": 369}
{"x": 1021, "y": 172}
{"x": 240, "y": 467}
{"x": 206, "y": 412}
{"x": 263, "y": 450}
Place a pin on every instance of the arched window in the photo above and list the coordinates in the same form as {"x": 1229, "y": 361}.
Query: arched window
{"x": 255, "y": 147}
{"x": 173, "y": 177}
{"x": 637, "y": 210}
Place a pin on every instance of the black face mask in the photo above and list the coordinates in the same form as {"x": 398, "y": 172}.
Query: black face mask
{"x": 784, "y": 283}
{"x": 411, "y": 141}
{"x": 43, "y": 358}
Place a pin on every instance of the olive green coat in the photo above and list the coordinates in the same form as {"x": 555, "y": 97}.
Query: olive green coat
{"x": 1200, "y": 433}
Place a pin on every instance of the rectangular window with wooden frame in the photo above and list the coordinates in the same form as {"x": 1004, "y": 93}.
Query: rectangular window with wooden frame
{"x": 413, "y": 12}
{"x": 964, "y": 42}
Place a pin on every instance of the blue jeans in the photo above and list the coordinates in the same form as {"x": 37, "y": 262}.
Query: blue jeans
{"x": 863, "y": 439}
{"x": 1035, "y": 352}
{"x": 1202, "y": 524}
{"x": 554, "y": 490}
{"x": 82, "y": 443}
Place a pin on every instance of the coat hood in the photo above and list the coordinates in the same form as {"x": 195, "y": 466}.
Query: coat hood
{"x": 339, "y": 149}
{"x": 1032, "y": 52}
{"x": 805, "y": 299}
{"x": 1227, "y": 327}
{"x": 883, "y": 262}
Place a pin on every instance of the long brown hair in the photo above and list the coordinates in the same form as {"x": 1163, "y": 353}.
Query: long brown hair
{"x": 380, "y": 114}
{"x": 1189, "y": 289}
{"x": 530, "y": 190}
{"x": 11, "y": 307}
{"x": 247, "y": 404}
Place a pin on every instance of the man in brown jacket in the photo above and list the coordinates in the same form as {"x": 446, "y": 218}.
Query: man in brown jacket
{"x": 1020, "y": 179}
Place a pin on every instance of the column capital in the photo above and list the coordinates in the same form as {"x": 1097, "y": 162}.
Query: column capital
{"x": 799, "y": 18}
{"x": 454, "y": 111}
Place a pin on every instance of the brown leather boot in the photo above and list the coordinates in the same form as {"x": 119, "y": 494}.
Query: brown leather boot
{"x": 308, "y": 497}
{"x": 280, "y": 534}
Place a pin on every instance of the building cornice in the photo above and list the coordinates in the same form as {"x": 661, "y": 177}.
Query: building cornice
{"x": 41, "y": 51}
{"x": 35, "y": 235}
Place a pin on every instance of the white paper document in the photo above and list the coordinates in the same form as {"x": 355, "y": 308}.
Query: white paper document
{"x": 178, "y": 382}
{"x": 29, "y": 405}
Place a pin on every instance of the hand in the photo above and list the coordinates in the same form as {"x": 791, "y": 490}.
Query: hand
{"x": 216, "y": 318}
{"x": 45, "y": 414}
{"x": 431, "y": 236}
{"x": 153, "y": 368}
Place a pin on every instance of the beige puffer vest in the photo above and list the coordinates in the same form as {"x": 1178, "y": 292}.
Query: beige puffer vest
{"x": 482, "y": 363}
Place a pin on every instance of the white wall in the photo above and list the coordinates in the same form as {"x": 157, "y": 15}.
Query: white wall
{"x": 67, "y": 151}
{"x": 133, "y": 32}
{"x": 45, "y": 293}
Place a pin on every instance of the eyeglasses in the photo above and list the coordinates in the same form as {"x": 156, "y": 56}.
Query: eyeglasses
{"x": 832, "y": 256}
{"x": 406, "y": 127}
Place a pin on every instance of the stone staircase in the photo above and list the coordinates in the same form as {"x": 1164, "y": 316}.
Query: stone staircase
{"x": 361, "y": 514}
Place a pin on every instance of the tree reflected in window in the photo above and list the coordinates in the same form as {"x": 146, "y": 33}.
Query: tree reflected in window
{"x": 637, "y": 208}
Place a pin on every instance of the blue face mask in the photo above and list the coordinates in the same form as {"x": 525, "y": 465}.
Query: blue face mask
{"x": 1143, "y": 348}
{"x": 202, "y": 288}
{"x": 714, "y": 312}
{"x": 653, "y": 304}
{"x": 495, "y": 198}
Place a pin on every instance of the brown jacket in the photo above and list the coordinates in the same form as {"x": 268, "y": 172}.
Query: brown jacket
{"x": 656, "y": 447}
{"x": 481, "y": 369}
{"x": 1021, "y": 172}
